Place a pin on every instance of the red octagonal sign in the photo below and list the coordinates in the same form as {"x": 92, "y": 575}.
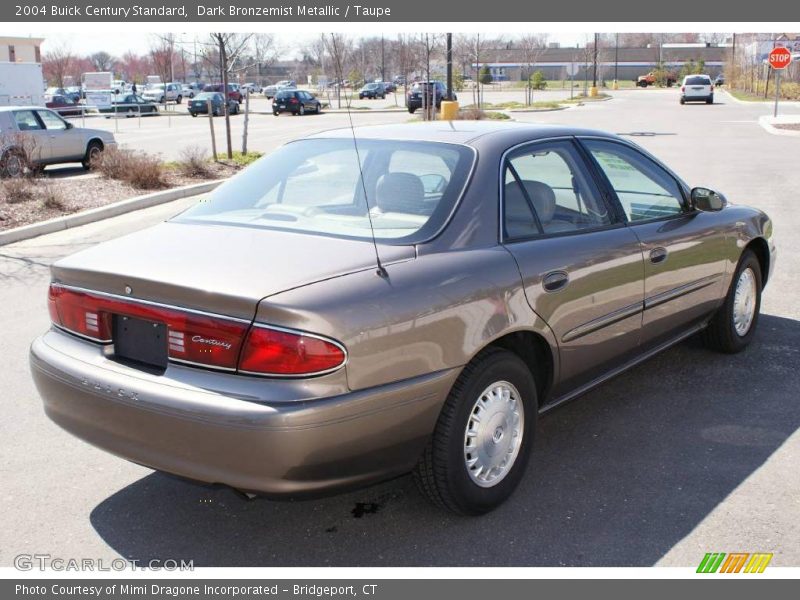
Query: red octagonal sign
{"x": 779, "y": 58}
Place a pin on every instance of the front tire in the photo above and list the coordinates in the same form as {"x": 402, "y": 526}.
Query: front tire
{"x": 733, "y": 326}
{"x": 483, "y": 438}
{"x": 94, "y": 152}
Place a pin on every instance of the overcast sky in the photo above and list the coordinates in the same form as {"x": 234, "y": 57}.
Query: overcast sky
{"x": 119, "y": 42}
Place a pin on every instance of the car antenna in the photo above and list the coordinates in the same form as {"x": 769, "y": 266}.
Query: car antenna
{"x": 381, "y": 270}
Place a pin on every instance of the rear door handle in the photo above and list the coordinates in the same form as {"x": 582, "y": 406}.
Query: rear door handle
{"x": 658, "y": 255}
{"x": 555, "y": 281}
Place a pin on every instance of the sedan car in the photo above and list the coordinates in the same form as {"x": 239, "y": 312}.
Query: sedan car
{"x": 199, "y": 104}
{"x": 393, "y": 299}
{"x": 130, "y": 105}
{"x": 233, "y": 91}
{"x": 372, "y": 90}
{"x": 697, "y": 88}
{"x": 32, "y": 137}
{"x": 297, "y": 102}
{"x": 425, "y": 93}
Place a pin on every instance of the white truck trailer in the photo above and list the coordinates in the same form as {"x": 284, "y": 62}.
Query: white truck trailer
{"x": 21, "y": 84}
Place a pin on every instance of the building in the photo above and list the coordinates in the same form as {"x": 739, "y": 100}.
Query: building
{"x": 20, "y": 49}
{"x": 510, "y": 64}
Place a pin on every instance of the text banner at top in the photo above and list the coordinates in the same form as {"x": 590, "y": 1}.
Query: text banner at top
{"x": 498, "y": 11}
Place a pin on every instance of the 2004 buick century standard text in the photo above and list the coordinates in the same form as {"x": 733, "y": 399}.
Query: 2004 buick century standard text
{"x": 257, "y": 340}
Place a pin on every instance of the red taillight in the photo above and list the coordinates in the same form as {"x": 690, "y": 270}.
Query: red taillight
{"x": 712, "y": 88}
{"x": 293, "y": 101}
{"x": 270, "y": 351}
{"x": 193, "y": 337}
{"x": 199, "y": 338}
{"x": 683, "y": 88}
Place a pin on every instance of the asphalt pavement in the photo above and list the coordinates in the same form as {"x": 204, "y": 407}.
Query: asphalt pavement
{"x": 691, "y": 452}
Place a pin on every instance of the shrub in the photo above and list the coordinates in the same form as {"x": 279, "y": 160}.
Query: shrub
{"x": 17, "y": 190}
{"x": 485, "y": 76}
{"x": 52, "y": 198}
{"x": 538, "y": 81}
{"x": 194, "y": 163}
{"x": 138, "y": 169}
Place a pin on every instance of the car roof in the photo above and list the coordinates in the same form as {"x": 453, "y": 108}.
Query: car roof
{"x": 461, "y": 132}
{"x": 22, "y": 107}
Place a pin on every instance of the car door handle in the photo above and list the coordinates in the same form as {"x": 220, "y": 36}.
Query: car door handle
{"x": 554, "y": 281}
{"x": 658, "y": 255}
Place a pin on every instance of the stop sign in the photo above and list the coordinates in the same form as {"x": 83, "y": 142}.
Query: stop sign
{"x": 779, "y": 58}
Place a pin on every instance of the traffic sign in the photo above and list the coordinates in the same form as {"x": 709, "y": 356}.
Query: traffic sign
{"x": 779, "y": 58}
{"x": 572, "y": 69}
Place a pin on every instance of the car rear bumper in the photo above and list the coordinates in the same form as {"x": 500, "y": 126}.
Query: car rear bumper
{"x": 281, "y": 448}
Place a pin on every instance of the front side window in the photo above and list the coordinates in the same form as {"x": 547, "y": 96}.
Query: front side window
{"x": 52, "y": 121}
{"x": 317, "y": 186}
{"x": 645, "y": 190}
{"x": 547, "y": 192}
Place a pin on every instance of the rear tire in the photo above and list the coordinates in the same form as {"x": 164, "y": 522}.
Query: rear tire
{"x": 470, "y": 465}
{"x": 710, "y": 100}
{"x": 683, "y": 100}
{"x": 733, "y": 326}
{"x": 13, "y": 164}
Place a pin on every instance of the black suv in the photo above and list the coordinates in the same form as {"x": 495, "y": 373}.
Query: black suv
{"x": 297, "y": 102}
{"x": 435, "y": 90}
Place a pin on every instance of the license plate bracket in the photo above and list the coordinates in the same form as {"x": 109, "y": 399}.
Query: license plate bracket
{"x": 140, "y": 341}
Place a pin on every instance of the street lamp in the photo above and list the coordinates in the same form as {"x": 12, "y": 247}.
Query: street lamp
{"x": 616, "y": 60}
{"x": 594, "y": 69}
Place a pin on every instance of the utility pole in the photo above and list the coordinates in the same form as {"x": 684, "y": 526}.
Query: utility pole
{"x": 449, "y": 66}
{"x": 383, "y": 60}
{"x": 594, "y": 69}
{"x": 616, "y": 61}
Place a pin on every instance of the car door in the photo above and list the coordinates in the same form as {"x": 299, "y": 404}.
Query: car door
{"x": 33, "y": 138}
{"x": 66, "y": 142}
{"x": 581, "y": 266}
{"x": 684, "y": 249}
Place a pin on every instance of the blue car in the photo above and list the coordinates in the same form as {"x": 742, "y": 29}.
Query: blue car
{"x": 199, "y": 104}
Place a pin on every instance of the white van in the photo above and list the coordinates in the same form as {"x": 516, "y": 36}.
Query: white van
{"x": 697, "y": 88}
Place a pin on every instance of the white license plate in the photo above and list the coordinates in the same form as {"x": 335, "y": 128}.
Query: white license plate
{"x": 282, "y": 106}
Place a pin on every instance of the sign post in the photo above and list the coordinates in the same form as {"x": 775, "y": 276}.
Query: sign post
{"x": 572, "y": 70}
{"x": 779, "y": 59}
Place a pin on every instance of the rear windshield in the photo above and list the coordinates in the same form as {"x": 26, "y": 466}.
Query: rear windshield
{"x": 315, "y": 186}
{"x": 282, "y": 95}
{"x": 698, "y": 80}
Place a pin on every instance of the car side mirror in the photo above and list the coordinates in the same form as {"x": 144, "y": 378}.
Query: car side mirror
{"x": 70, "y": 125}
{"x": 707, "y": 200}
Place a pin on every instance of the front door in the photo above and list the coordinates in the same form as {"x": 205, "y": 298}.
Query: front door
{"x": 581, "y": 267}
{"x": 684, "y": 252}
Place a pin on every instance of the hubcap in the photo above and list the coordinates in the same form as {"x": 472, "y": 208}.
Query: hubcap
{"x": 14, "y": 166}
{"x": 744, "y": 302}
{"x": 493, "y": 435}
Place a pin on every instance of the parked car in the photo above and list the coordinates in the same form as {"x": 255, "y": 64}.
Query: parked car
{"x": 199, "y": 104}
{"x": 130, "y": 105}
{"x": 415, "y": 321}
{"x": 434, "y": 90}
{"x": 164, "y": 92}
{"x": 669, "y": 78}
{"x": 297, "y": 102}
{"x": 187, "y": 91}
{"x": 697, "y": 88}
{"x": 34, "y": 137}
{"x": 250, "y": 88}
{"x": 719, "y": 80}
{"x": 389, "y": 86}
{"x": 372, "y": 91}
{"x": 270, "y": 90}
{"x": 64, "y": 105}
{"x": 233, "y": 91}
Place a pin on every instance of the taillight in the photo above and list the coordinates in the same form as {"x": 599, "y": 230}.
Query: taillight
{"x": 194, "y": 337}
{"x": 683, "y": 88}
{"x": 199, "y": 338}
{"x": 712, "y": 88}
{"x": 293, "y": 101}
{"x": 272, "y": 351}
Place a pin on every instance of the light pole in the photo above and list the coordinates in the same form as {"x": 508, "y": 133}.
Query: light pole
{"x": 616, "y": 60}
{"x": 594, "y": 67}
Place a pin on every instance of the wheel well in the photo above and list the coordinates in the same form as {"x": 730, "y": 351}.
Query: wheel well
{"x": 95, "y": 140}
{"x": 761, "y": 250}
{"x": 535, "y": 352}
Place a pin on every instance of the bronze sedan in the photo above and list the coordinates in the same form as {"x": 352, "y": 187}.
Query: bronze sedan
{"x": 363, "y": 304}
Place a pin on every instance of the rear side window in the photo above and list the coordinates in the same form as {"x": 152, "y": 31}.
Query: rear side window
{"x": 645, "y": 190}
{"x": 26, "y": 120}
{"x": 52, "y": 121}
{"x": 547, "y": 192}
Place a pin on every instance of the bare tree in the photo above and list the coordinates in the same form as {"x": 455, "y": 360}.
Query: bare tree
{"x": 474, "y": 47}
{"x": 102, "y": 61}
{"x": 532, "y": 47}
{"x": 231, "y": 48}
{"x": 162, "y": 55}
{"x": 340, "y": 49}
{"x": 57, "y": 65}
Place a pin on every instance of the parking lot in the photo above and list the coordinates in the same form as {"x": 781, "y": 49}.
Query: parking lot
{"x": 691, "y": 452}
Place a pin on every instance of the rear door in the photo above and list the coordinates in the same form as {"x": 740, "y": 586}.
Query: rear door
{"x": 33, "y": 138}
{"x": 684, "y": 249}
{"x": 581, "y": 266}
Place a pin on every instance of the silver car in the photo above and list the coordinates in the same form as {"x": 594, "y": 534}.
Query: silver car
{"x": 32, "y": 137}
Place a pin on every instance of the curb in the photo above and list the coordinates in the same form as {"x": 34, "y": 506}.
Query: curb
{"x": 765, "y": 122}
{"x": 767, "y": 102}
{"x": 104, "y": 212}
